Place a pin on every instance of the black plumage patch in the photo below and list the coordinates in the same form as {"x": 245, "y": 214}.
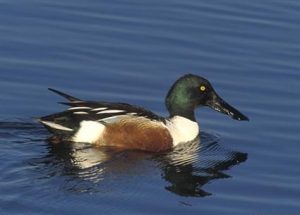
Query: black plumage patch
{"x": 95, "y": 111}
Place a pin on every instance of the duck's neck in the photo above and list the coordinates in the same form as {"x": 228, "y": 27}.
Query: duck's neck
{"x": 187, "y": 113}
{"x": 181, "y": 109}
{"x": 178, "y": 103}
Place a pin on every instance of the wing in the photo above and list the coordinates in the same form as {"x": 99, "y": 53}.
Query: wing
{"x": 104, "y": 112}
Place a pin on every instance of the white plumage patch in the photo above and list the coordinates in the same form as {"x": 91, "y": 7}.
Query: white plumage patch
{"x": 79, "y": 108}
{"x": 111, "y": 111}
{"x": 89, "y": 132}
{"x": 56, "y": 126}
{"x": 98, "y": 109}
{"x": 81, "y": 112}
{"x": 182, "y": 129}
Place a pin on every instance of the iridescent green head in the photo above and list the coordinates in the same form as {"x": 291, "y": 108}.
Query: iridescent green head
{"x": 192, "y": 91}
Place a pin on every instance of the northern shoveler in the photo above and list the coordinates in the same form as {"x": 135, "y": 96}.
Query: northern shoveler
{"x": 133, "y": 127}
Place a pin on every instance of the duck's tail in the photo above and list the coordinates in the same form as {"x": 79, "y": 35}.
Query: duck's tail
{"x": 68, "y": 97}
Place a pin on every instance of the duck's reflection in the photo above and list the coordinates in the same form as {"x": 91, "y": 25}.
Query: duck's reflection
{"x": 186, "y": 169}
{"x": 190, "y": 166}
{"x": 188, "y": 178}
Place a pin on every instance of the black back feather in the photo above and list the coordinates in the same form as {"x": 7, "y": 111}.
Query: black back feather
{"x": 68, "y": 97}
{"x": 70, "y": 119}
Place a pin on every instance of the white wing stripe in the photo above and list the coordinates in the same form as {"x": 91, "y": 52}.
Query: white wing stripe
{"x": 101, "y": 108}
{"x": 56, "y": 126}
{"x": 111, "y": 111}
{"x": 79, "y": 108}
{"x": 80, "y": 112}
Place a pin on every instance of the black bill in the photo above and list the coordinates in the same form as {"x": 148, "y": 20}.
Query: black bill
{"x": 221, "y": 106}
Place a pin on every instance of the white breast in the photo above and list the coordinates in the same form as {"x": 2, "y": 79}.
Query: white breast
{"x": 182, "y": 129}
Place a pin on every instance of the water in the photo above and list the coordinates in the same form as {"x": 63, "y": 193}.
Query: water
{"x": 132, "y": 51}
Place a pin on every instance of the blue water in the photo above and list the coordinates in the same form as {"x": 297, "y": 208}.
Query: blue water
{"x": 132, "y": 51}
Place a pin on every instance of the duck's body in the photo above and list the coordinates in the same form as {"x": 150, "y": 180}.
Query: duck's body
{"x": 120, "y": 125}
{"x": 132, "y": 127}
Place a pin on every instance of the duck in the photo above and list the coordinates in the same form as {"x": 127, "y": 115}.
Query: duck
{"x": 131, "y": 127}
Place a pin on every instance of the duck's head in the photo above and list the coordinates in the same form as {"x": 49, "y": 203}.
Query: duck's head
{"x": 192, "y": 91}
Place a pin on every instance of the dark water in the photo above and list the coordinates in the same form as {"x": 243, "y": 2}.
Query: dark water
{"x": 132, "y": 51}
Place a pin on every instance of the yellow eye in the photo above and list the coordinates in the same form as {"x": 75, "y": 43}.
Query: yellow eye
{"x": 202, "y": 88}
